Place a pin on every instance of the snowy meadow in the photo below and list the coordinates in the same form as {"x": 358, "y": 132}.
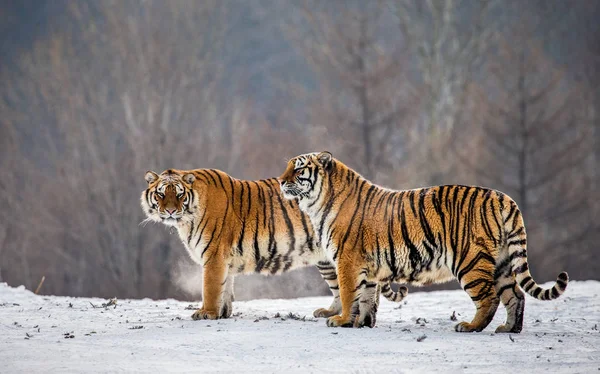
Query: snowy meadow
{"x": 66, "y": 334}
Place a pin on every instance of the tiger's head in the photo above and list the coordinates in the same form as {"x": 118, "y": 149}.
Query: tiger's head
{"x": 169, "y": 198}
{"x": 304, "y": 176}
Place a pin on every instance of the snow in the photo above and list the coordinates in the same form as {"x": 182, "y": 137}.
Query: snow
{"x": 558, "y": 336}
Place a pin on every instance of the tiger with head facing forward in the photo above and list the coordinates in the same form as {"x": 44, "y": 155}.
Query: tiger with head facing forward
{"x": 232, "y": 226}
{"x": 419, "y": 236}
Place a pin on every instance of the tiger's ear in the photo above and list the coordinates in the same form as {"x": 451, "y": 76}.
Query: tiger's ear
{"x": 325, "y": 159}
{"x": 189, "y": 178}
{"x": 150, "y": 177}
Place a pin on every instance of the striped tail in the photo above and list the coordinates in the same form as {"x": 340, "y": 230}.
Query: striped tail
{"x": 528, "y": 285}
{"x": 516, "y": 240}
{"x": 391, "y": 295}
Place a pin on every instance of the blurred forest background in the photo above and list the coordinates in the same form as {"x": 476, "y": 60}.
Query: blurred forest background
{"x": 499, "y": 93}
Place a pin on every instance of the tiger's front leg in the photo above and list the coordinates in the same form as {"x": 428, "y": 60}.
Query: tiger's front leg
{"x": 328, "y": 272}
{"x": 214, "y": 276}
{"x": 352, "y": 282}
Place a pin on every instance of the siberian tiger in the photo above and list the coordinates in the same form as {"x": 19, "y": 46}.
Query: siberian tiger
{"x": 232, "y": 226}
{"x": 419, "y": 236}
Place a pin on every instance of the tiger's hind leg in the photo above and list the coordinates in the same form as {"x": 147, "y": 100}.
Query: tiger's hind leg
{"x": 368, "y": 305}
{"x": 514, "y": 300}
{"x": 328, "y": 272}
{"x": 478, "y": 283}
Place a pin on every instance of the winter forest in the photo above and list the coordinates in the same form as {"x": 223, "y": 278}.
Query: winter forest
{"x": 410, "y": 93}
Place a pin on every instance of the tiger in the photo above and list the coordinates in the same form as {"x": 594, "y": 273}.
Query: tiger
{"x": 232, "y": 226}
{"x": 420, "y": 236}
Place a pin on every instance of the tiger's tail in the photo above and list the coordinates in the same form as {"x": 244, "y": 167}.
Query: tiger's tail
{"x": 516, "y": 242}
{"x": 391, "y": 295}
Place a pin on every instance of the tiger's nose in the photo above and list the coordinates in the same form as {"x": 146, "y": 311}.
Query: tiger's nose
{"x": 170, "y": 211}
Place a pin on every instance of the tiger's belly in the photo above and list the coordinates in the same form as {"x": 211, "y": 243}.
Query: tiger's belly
{"x": 428, "y": 277}
{"x": 436, "y": 272}
{"x": 278, "y": 260}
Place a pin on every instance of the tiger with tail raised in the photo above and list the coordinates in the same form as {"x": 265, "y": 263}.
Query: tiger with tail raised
{"x": 421, "y": 236}
{"x": 232, "y": 226}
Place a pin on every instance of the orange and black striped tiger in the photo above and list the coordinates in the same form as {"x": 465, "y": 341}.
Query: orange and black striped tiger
{"x": 420, "y": 236}
{"x": 233, "y": 226}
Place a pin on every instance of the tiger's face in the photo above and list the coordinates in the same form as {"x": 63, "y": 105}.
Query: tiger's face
{"x": 169, "y": 198}
{"x": 304, "y": 176}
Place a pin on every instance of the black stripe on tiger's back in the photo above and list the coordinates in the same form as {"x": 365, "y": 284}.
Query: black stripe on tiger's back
{"x": 312, "y": 184}
{"x": 288, "y": 223}
{"x": 454, "y": 234}
{"x": 411, "y": 200}
{"x": 386, "y": 214}
{"x": 255, "y": 238}
{"x": 413, "y": 255}
{"x": 218, "y": 177}
{"x": 327, "y": 208}
{"x": 497, "y": 223}
{"x": 423, "y": 220}
{"x": 437, "y": 205}
{"x": 263, "y": 201}
{"x": 272, "y": 246}
{"x": 307, "y": 232}
{"x": 347, "y": 234}
{"x": 382, "y": 194}
{"x": 391, "y": 247}
{"x": 366, "y": 205}
{"x": 241, "y": 197}
{"x": 513, "y": 209}
{"x": 463, "y": 198}
{"x": 484, "y": 217}
{"x": 467, "y": 227}
{"x": 249, "y": 196}
{"x": 199, "y": 174}
{"x": 209, "y": 175}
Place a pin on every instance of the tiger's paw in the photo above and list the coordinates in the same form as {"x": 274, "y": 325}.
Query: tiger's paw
{"x": 226, "y": 310}
{"x": 505, "y": 328}
{"x": 324, "y": 313}
{"x": 338, "y": 321}
{"x": 466, "y": 327}
{"x": 367, "y": 321}
{"x": 203, "y": 314}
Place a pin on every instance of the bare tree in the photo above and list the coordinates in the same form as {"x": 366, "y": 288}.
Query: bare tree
{"x": 363, "y": 89}
{"x": 534, "y": 146}
{"x": 109, "y": 95}
{"x": 449, "y": 40}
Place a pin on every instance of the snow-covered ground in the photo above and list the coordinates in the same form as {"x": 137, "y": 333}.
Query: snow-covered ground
{"x": 63, "y": 334}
